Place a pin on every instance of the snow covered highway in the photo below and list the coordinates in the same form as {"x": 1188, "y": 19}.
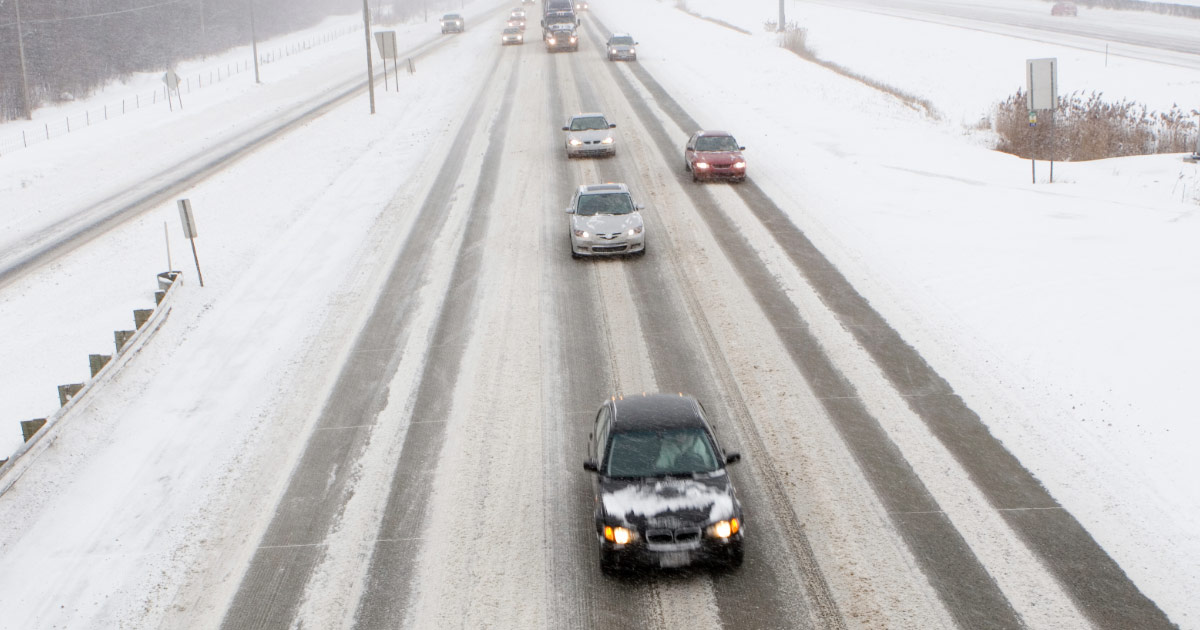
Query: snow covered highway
{"x": 376, "y": 411}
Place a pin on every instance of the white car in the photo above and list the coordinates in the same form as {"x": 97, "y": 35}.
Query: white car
{"x": 590, "y": 134}
{"x": 512, "y": 35}
{"x": 604, "y": 220}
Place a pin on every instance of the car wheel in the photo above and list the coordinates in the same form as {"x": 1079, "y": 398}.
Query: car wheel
{"x": 736, "y": 555}
{"x": 608, "y": 562}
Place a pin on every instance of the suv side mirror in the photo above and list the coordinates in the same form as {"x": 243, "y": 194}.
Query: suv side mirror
{"x": 590, "y": 466}
{"x": 612, "y": 125}
{"x": 733, "y": 458}
{"x": 570, "y": 210}
{"x": 741, "y": 148}
{"x": 566, "y": 128}
{"x": 638, "y": 206}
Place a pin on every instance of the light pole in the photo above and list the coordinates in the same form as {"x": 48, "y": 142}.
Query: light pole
{"x": 21, "y": 53}
{"x": 254, "y": 43}
{"x": 370, "y": 67}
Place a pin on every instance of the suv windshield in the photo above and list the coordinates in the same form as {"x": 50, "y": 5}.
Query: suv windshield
{"x": 660, "y": 453}
{"x": 588, "y": 123}
{"x": 622, "y": 41}
{"x": 716, "y": 143}
{"x": 610, "y": 203}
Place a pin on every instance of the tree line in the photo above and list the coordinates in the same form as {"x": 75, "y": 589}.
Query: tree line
{"x": 73, "y": 47}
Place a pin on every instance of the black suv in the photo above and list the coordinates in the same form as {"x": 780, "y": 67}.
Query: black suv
{"x": 663, "y": 495}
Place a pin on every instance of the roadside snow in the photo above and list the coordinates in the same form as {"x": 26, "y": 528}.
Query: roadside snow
{"x": 1064, "y": 313}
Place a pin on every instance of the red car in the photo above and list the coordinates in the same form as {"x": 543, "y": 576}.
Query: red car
{"x": 1064, "y": 8}
{"x": 714, "y": 155}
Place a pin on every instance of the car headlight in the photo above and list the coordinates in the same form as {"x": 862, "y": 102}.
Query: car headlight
{"x": 551, "y": 40}
{"x": 618, "y": 535}
{"x": 612, "y": 51}
{"x": 633, "y": 231}
{"x": 582, "y": 234}
{"x": 608, "y": 140}
{"x": 700, "y": 165}
{"x": 572, "y": 40}
{"x": 574, "y": 142}
{"x": 739, "y": 165}
{"x": 724, "y": 529}
{"x": 632, "y": 51}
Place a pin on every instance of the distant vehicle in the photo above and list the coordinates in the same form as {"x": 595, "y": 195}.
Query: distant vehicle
{"x": 1064, "y": 8}
{"x": 512, "y": 35}
{"x": 561, "y": 37}
{"x": 621, "y": 46}
{"x": 663, "y": 495}
{"x": 557, "y": 6}
{"x": 714, "y": 155}
{"x": 605, "y": 221}
{"x": 453, "y": 23}
{"x": 590, "y": 134}
{"x": 581, "y": 5}
{"x": 517, "y": 12}
{"x": 517, "y": 22}
{"x": 553, "y": 18}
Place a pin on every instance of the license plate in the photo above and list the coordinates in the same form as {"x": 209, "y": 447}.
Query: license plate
{"x": 672, "y": 559}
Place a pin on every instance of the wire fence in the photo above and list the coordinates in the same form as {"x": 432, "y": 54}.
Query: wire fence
{"x": 161, "y": 97}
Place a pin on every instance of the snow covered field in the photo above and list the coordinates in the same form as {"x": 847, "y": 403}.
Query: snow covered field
{"x": 1064, "y": 313}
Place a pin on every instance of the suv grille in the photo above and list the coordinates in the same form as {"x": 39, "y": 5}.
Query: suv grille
{"x": 668, "y": 536}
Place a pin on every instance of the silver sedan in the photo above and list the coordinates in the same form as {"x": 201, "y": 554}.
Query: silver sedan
{"x": 590, "y": 134}
{"x": 604, "y": 220}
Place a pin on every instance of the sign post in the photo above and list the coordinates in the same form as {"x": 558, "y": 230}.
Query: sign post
{"x": 189, "y": 231}
{"x": 386, "y": 41}
{"x": 172, "y": 81}
{"x": 1041, "y": 81}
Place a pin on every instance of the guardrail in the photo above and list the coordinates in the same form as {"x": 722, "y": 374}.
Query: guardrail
{"x": 41, "y": 432}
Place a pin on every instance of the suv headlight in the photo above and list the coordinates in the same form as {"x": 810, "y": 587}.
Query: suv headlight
{"x": 618, "y": 535}
{"x": 633, "y": 231}
{"x": 700, "y": 165}
{"x": 608, "y": 140}
{"x": 724, "y": 529}
{"x": 582, "y": 234}
{"x": 574, "y": 141}
{"x": 739, "y": 165}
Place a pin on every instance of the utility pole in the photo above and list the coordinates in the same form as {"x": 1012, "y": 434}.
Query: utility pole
{"x": 370, "y": 67}
{"x": 254, "y": 43}
{"x": 782, "y": 19}
{"x": 24, "y": 80}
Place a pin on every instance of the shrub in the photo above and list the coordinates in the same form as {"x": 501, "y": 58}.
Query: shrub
{"x": 1089, "y": 128}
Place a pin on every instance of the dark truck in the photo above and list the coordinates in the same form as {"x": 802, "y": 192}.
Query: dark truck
{"x": 559, "y": 30}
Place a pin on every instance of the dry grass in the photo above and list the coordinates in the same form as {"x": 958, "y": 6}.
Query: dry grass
{"x": 1088, "y": 128}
